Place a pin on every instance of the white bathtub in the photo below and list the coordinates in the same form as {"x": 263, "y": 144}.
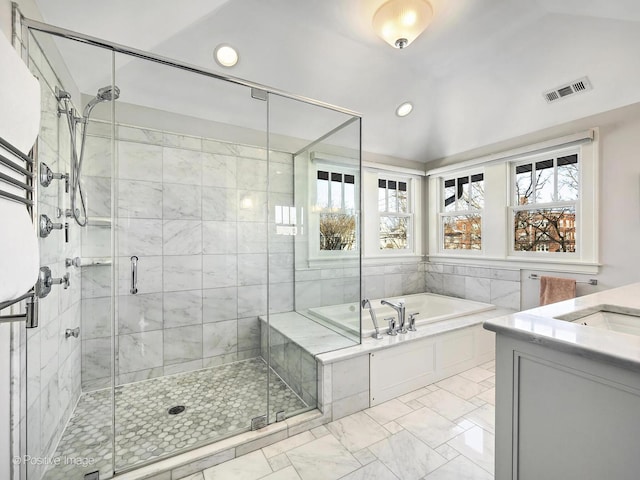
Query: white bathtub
{"x": 431, "y": 308}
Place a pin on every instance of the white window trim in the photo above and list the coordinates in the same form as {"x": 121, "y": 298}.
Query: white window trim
{"x": 455, "y": 213}
{"x": 372, "y": 253}
{"x": 317, "y": 256}
{"x": 411, "y": 228}
{"x": 496, "y": 218}
{"x": 532, "y": 159}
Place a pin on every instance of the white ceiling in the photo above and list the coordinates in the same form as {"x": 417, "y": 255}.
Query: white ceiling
{"x": 476, "y": 76}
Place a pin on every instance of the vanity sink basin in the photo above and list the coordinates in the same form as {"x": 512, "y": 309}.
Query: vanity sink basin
{"x": 607, "y": 317}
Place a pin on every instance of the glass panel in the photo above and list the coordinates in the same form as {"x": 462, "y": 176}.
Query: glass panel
{"x": 393, "y": 233}
{"x": 337, "y": 231}
{"x": 382, "y": 195}
{"x": 545, "y": 229}
{"x": 449, "y": 195}
{"x": 403, "y": 200}
{"x": 193, "y": 208}
{"x": 69, "y": 378}
{"x": 298, "y": 288}
{"x": 336, "y": 191}
{"x": 349, "y": 193}
{"x": 462, "y": 232}
{"x": 477, "y": 192}
{"x": 463, "y": 193}
{"x": 392, "y": 196}
{"x": 544, "y": 181}
{"x": 322, "y": 190}
{"x": 524, "y": 184}
{"x": 568, "y": 178}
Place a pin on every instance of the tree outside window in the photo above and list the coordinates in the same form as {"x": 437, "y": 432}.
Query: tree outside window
{"x": 396, "y": 216}
{"x": 461, "y": 217}
{"x": 336, "y": 204}
{"x": 545, "y": 199}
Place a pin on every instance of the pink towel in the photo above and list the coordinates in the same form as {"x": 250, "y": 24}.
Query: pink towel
{"x": 554, "y": 289}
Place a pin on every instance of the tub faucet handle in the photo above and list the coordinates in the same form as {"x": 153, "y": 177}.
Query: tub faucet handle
{"x": 392, "y": 326}
{"x": 412, "y": 321}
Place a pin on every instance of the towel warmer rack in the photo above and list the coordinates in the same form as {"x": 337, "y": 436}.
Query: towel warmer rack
{"x": 22, "y": 191}
{"x": 591, "y": 281}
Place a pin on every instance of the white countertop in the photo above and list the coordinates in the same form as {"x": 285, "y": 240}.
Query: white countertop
{"x": 539, "y": 326}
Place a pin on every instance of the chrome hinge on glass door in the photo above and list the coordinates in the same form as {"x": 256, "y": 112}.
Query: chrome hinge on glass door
{"x": 258, "y": 422}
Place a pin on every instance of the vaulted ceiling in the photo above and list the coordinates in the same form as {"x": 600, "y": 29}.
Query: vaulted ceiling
{"x": 475, "y": 76}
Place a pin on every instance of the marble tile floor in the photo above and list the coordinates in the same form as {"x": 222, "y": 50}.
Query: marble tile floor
{"x": 442, "y": 432}
{"x": 218, "y": 401}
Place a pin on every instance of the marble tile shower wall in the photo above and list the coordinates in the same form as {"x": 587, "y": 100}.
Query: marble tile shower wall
{"x": 490, "y": 285}
{"x": 331, "y": 286}
{"x": 194, "y": 211}
{"x": 53, "y": 361}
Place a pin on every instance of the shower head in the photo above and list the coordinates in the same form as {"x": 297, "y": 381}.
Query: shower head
{"x": 108, "y": 93}
{"x": 105, "y": 94}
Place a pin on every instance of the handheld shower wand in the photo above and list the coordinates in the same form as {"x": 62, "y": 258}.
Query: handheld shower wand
{"x": 367, "y": 304}
{"x": 105, "y": 94}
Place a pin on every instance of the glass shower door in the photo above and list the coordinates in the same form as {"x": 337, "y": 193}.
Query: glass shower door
{"x": 191, "y": 258}
{"x": 304, "y": 276}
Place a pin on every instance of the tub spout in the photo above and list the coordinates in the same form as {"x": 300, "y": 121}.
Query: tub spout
{"x": 400, "y": 309}
{"x": 367, "y": 304}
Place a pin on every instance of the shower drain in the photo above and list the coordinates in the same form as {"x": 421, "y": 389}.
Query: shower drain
{"x": 176, "y": 410}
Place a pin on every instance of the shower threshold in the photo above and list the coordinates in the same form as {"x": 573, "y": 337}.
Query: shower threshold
{"x": 218, "y": 402}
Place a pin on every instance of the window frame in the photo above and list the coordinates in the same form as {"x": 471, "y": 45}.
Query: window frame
{"x": 497, "y": 223}
{"x": 316, "y": 254}
{"x": 442, "y": 213}
{"x": 410, "y": 215}
{"x": 513, "y": 207}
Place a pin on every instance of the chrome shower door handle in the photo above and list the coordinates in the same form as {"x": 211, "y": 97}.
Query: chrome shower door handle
{"x": 134, "y": 275}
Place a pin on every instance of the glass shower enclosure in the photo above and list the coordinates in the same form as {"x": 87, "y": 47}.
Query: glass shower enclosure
{"x": 212, "y": 215}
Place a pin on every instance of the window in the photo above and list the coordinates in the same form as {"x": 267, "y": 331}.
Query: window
{"x": 544, "y": 203}
{"x": 395, "y": 213}
{"x": 537, "y": 205}
{"x": 336, "y": 205}
{"x": 461, "y": 212}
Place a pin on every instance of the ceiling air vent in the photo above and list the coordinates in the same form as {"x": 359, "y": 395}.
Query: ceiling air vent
{"x": 578, "y": 86}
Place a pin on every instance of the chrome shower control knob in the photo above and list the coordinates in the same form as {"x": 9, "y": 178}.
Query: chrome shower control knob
{"x": 46, "y": 226}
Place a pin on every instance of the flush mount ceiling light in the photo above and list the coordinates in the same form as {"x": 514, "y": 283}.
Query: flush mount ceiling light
{"x": 225, "y": 55}
{"x": 404, "y": 109}
{"x": 399, "y": 22}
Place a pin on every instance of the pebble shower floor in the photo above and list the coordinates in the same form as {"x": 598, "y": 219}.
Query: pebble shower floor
{"x": 218, "y": 401}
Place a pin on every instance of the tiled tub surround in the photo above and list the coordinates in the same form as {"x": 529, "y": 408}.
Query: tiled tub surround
{"x": 347, "y": 376}
{"x": 194, "y": 211}
{"x": 219, "y": 401}
{"x": 294, "y": 342}
{"x": 319, "y": 287}
{"x": 52, "y": 361}
{"x": 500, "y": 287}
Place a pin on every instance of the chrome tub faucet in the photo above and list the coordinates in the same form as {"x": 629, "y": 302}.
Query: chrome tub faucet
{"x": 400, "y": 309}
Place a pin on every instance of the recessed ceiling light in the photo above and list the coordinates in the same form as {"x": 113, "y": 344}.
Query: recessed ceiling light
{"x": 225, "y": 55}
{"x": 404, "y": 109}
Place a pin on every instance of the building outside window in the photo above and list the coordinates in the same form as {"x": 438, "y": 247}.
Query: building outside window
{"x": 544, "y": 204}
{"x": 395, "y": 214}
{"x": 461, "y": 212}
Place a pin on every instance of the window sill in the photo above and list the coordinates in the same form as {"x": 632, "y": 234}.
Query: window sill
{"x": 521, "y": 263}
